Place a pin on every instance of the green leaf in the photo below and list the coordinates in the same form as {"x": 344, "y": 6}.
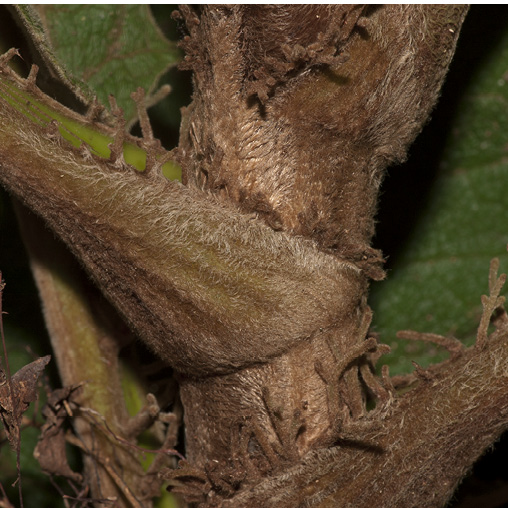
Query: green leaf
{"x": 28, "y": 17}
{"x": 436, "y": 281}
{"x": 113, "y": 48}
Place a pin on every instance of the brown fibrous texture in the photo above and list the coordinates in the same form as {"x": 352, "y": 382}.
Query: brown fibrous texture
{"x": 299, "y": 109}
{"x": 252, "y": 280}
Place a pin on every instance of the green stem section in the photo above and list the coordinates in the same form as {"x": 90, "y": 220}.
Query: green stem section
{"x": 85, "y": 344}
{"x": 85, "y": 349}
{"x": 208, "y": 288}
{"x": 75, "y": 131}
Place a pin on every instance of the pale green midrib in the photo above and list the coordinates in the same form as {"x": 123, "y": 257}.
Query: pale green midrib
{"x": 77, "y": 133}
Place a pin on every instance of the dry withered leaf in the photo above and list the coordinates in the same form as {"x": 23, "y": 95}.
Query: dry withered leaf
{"x": 50, "y": 450}
{"x": 24, "y": 390}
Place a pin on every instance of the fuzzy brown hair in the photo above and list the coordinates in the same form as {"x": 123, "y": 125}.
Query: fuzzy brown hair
{"x": 339, "y": 94}
{"x": 296, "y": 113}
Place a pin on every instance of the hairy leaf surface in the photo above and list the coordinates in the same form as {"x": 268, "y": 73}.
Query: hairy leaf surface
{"x": 124, "y": 48}
{"x": 434, "y": 282}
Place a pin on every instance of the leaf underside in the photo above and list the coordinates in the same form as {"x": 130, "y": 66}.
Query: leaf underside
{"x": 124, "y": 48}
{"x": 435, "y": 280}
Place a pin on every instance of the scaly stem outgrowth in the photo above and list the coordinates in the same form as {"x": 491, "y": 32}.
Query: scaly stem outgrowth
{"x": 251, "y": 280}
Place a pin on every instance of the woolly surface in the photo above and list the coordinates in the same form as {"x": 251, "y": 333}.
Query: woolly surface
{"x": 210, "y": 289}
{"x": 411, "y": 452}
{"x": 284, "y": 126}
{"x": 298, "y": 110}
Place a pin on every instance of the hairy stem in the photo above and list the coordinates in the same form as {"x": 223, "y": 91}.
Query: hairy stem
{"x": 252, "y": 280}
{"x": 427, "y": 441}
{"x": 191, "y": 275}
{"x": 86, "y": 340}
{"x": 320, "y": 100}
